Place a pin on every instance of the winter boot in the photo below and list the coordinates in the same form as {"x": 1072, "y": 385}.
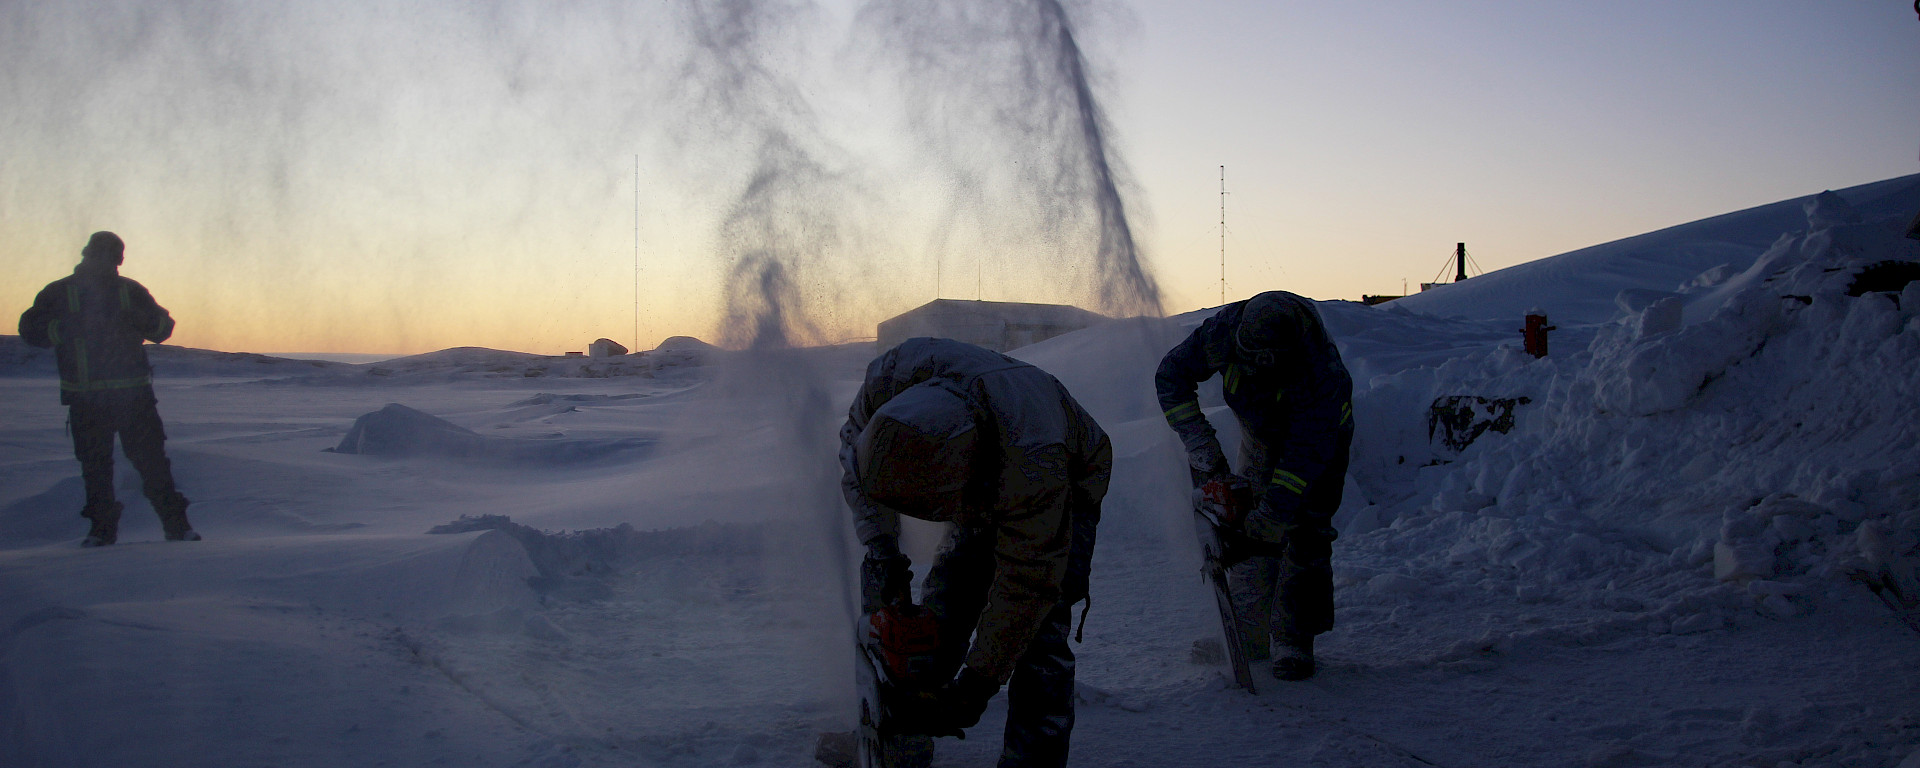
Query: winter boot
{"x": 1293, "y": 657}
{"x": 172, "y": 508}
{"x": 106, "y": 524}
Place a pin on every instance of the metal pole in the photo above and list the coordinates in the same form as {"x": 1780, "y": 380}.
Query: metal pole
{"x": 1223, "y": 235}
{"x": 636, "y": 254}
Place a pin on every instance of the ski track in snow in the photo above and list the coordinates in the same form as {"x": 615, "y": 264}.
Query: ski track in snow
{"x": 1653, "y": 567}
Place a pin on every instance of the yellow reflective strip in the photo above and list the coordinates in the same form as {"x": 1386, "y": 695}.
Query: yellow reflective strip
{"x": 73, "y": 298}
{"x": 126, "y": 301}
{"x": 1346, "y": 412}
{"x": 1289, "y": 481}
{"x": 1279, "y": 395}
{"x": 1186, "y": 411}
{"x": 1233, "y": 378}
{"x": 53, "y": 331}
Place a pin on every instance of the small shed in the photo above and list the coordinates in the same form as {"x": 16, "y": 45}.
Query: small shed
{"x": 996, "y": 325}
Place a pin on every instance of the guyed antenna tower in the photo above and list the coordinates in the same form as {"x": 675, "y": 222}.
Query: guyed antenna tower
{"x": 636, "y": 254}
{"x": 1223, "y": 235}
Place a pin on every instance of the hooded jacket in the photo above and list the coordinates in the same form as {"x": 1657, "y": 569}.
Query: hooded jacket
{"x": 95, "y": 321}
{"x": 1299, "y": 405}
{"x": 1038, "y": 478}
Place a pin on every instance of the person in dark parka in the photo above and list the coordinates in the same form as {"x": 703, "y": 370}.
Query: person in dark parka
{"x": 1285, "y": 382}
{"x": 95, "y": 321}
{"x": 950, "y": 432}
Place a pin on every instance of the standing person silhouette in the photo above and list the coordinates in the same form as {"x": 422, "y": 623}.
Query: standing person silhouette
{"x": 96, "y": 322}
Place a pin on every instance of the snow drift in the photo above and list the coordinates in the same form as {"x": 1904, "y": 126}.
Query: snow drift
{"x": 397, "y": 430}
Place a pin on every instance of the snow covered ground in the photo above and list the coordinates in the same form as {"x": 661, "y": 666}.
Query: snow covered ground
{"x": 1659, "y": 563}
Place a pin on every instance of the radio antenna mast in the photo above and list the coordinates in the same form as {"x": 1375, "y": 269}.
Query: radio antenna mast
{"x": 1223, "y": 235}
{"x": 636, "y": 254}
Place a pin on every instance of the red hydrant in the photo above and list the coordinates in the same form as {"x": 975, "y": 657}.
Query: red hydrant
{"x": 1535, "y": 334}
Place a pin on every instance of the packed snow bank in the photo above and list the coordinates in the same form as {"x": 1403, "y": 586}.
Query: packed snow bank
{"x": 1763, "y": 446}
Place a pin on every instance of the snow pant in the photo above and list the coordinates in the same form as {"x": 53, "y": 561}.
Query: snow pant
{"x": 1291, "y": 593}
{"x": 1040, "y": 694}
{"x": 134, "y": 415}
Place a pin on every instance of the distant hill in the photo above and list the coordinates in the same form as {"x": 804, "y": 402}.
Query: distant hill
{"x": 678, "y": 353}
{"x": 18, "y": 359}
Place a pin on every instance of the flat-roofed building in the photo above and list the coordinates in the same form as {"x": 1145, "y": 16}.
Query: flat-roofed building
{"x": 996, "y": 325}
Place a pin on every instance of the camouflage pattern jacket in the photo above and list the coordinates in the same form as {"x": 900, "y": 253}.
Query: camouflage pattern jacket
{"x": 1038, "y": 483}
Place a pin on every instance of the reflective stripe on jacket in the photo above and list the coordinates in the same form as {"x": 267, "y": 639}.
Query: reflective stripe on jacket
{"x": 1302, "y": 409}
{"x": 96, "y": 322}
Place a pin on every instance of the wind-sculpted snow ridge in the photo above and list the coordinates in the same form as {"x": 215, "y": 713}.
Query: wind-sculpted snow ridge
{"x": 565, "y": 557}
{"x": 399, "y": 431}
{"x": 1680, "y": 477}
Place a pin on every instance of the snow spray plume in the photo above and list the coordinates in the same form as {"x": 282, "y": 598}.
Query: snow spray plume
{"x": 780, "y": 234}
{"x": 781, "y": 229}
{"x": 1012, "y": 76}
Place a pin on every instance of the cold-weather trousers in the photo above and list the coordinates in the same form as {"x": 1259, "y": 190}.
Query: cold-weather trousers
{"x": 1040, "y": 694}
{"x": 133, "y": 415}
{"x": 1291, "y": 594}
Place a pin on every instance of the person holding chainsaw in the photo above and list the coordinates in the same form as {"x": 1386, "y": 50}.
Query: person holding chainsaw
{"x": 1285, "y": 382}
{"x": 996, "y": 448}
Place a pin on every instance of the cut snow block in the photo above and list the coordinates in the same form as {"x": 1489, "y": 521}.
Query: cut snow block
{"x": 1661, "y": 317}
{"x": 1732, "y": 561}
{"x": 1779, "y": 607}
{"x": 1634, "y": 301}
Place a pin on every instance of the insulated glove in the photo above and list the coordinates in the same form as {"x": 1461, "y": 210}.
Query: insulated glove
{"x": 1269, "y": 523}
{"x": 948, "y": 709}
{"x": 885, "y": 580}
{"x": 966, "y": 697}
{"x": 923, "y": 712}
{"x": 1207, "y": 462}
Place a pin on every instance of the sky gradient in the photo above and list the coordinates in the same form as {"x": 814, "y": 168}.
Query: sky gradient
{"x": 399, "y": 178}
